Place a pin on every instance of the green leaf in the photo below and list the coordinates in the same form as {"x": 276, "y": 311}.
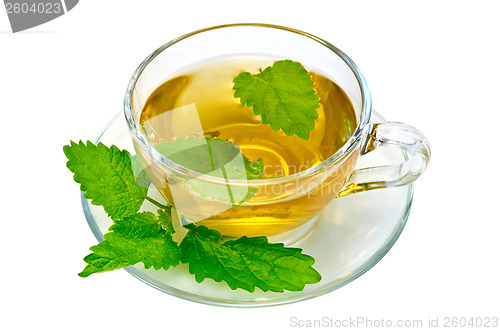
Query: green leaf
{"x": 205, "y": 155}
{"x": 141, "y": 177}
{"x": 246, "y": 262}
{"x": 283, "y": 95}
{"x": 165, "y": 219}
{"x": 218, "y": 158}
{"x": 140, "y": 225}
{"x": 106, "y": 177}
{"x": 136, "y": 238}
{"x": 254, "y": 169}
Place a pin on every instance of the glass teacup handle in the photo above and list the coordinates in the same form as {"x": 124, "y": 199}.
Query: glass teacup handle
{"x": 391, "y": 134}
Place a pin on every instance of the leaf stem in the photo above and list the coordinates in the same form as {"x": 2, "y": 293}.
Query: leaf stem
{"x": 156, "y": 203}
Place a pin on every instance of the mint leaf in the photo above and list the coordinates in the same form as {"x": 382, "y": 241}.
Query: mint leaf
{"x": 106, "y": 177}
{"x": 216, "y": 157}
{"x": 165, "y": 219}
{"x": 141, "y": 177}
{"x": 283, "y": 95}
{"x": 205, "y": 155}
{"x": 246, "y": 262}
{"x": 254, "y": 169}
{"x": 140, "y": 225}
{"x": 134, "y": 239}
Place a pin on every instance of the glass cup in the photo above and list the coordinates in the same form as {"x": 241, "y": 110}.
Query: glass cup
{"x": 222, "y": 197}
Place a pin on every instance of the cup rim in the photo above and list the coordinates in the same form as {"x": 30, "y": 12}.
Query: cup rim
{"x": 346, "y": 149}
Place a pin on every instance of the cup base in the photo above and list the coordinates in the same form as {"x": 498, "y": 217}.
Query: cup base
{"x": 294, "y": 236}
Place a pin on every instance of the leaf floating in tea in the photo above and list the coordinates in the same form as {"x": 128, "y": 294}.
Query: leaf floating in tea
{"x": 134, "y": 239}
{"x": 246, "y": 262}
{"x": 283, "y": 95}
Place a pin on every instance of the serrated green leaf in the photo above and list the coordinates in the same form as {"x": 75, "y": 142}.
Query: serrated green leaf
{"x": 137, "y": 238}
{"x": 246, "y": 262}
{"x": 283, "y": 95}
{"x": 144, "y": 224}
{"x": 106, "y": 177}
{"x": 218, "y": 158}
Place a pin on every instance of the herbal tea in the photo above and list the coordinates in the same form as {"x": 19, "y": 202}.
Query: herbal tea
{"x": 208, "y": 89}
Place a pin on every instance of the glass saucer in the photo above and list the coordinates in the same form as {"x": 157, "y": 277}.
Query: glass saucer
{"x": 349, "y": 237}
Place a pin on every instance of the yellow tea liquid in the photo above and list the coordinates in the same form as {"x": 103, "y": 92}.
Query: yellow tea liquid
{"x": 209, "y": 87}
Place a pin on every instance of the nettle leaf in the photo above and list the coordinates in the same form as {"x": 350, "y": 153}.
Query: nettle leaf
{"x": 246, "y": 262}
{"x": 106, "y": 176}
{"x": 283, "y": 94}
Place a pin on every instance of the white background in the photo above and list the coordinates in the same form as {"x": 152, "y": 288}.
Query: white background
{"x": 431, "y": 64}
